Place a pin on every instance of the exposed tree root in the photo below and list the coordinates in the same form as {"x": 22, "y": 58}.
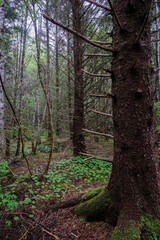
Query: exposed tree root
{"x": 96, "y": 205}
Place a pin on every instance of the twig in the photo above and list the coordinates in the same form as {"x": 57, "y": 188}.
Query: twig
{"x": 49, "y": 233}
{"x": 102, "y": 113}
{"x": 99, "y": 5}
{"x": 95, "y": 75}
{"x": 23, "y": 235}
{"x": 74, "y": 235}
{"x": 76, "y": 33}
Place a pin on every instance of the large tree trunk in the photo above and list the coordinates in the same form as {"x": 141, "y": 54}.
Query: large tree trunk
{"x": 132, "y": 199}
{"x": 78, "y": 118}
{"x": 134, "y": 180}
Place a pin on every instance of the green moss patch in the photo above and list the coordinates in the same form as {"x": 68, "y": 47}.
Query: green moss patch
{"x": 148, "y": 228}
{"x": 95, "y": 208}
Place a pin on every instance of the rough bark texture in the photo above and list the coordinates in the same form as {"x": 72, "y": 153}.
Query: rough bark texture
{"x": 133, "y": 185}
{"x": 2, "y": 75}
{"x": 78, "y": 118}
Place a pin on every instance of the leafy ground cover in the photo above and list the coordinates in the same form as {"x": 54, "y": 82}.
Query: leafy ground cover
{"x": 23, "y": 199}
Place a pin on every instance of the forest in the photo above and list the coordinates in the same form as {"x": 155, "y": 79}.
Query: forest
{"x": 79, "y": 119}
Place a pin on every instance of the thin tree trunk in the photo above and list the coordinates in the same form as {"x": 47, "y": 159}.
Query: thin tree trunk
{"x": 69, "y": 85}
{"x": 78, "y": 118}
{"x": 48, "y": 69}
{"x": 22, "y": 82}
{"x": 157, "y": 93}
{"x": 2, "y": 76}
{"x": 57, "y": 84}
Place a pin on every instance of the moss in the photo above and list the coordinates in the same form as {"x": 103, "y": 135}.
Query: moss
{"x": 92, "y": 193}
{"x": 96, "y": 207}
{"x": 148, "y": 228}
{"x": 131, "y": 232}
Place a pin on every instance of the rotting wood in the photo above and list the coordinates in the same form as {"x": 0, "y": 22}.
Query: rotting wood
{"x": 97, "y": 133}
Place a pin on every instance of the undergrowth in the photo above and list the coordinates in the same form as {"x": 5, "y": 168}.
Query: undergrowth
{"x": 66, "y": 175}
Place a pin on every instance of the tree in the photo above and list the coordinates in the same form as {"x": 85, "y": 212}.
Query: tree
{"x": 133, "y": 190}
{"x": 2, "y": 75}
{"x": 78, "y": 118}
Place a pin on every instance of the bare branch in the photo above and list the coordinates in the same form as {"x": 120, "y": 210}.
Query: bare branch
{"x": 102, "y": 96}
{"x": 99, "y": 42}
{"x": 90, "y": 156}
{"x": 97, "y": 133}
{"x": 95, "y": 75}
{"x": 116, "y": 17}
{"x": 102, "y": 113}
{"x": 97, "y": 55}
{"x": 76, "y": 33}
{"x": 99, "y": 5}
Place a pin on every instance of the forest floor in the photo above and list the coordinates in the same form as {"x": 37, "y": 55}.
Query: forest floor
{"x": 28, "y": 205}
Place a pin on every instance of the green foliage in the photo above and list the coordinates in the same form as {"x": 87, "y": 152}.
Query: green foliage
{"x": 3, "y": 169}
{"x": 63, "y": 175}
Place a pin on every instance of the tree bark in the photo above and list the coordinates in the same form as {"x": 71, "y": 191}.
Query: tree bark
{"x": 24, "y": 34}
{"x": 134, "y": 180}
{"x": 2, "y": 76}
{"x": 78, "y": 118}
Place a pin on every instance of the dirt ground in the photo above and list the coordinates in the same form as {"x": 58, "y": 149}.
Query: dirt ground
{"x": 61, "y": 224}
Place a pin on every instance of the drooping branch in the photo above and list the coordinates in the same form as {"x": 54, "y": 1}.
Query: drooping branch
{"x": 76, "y": 33}
{"x": 96, "y": 75}
{"x": 97, "y": 133}
{"x": 17, "y": 121}
{"x": 99, "y": 5}
{"x": 97, "y": 55}
{"x": 102, "y": 113}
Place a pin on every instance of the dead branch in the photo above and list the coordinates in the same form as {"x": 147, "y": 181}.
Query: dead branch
{"x": 97, "y": 55}
{"x": 51, "y": 234}
{"x": 102, "y": 96}
{"x": 99, "y": 5}
{"x": 105, "y": 43}
{"x": 144, "y": 22}
{"x": 95, "y": 75}
{"x": 97, "y": 133}
{"x": 21, "y": 131}
{"x": 76, "y": 33}
{"x": 102, "y": 113}
{"x": 92, "y": 156}
{"x": 116, "y": 17}
{"x": 21, "y": 238}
